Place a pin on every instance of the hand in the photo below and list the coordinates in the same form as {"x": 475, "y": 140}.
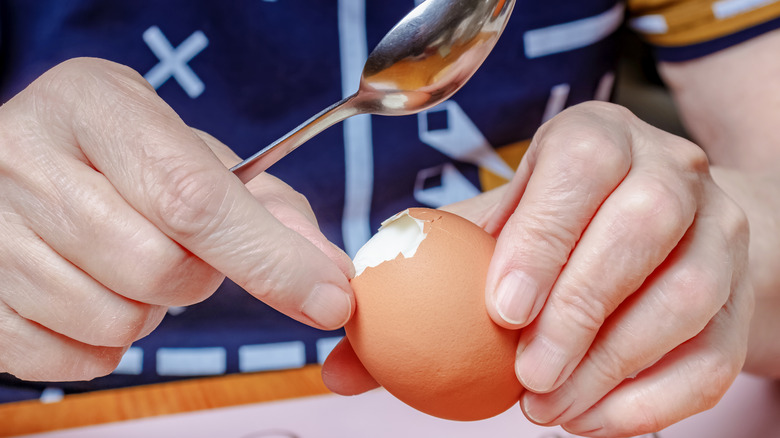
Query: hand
{"x": 625, "y": 265}
{"x": 630, "y": 265}
{"x": 112, "y": 209}
{"x": 629, "y": 269}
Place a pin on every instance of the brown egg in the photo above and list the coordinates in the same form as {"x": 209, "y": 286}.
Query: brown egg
{"x": 421, "y": 327}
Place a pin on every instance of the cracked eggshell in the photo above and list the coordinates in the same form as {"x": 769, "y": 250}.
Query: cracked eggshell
{"x": 421, "y": 327}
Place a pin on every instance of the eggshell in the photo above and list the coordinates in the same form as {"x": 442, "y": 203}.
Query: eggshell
{"x": 422, "y": 330}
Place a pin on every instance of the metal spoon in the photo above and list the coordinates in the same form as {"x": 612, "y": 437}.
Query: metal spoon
{"x": 421, "y": 62}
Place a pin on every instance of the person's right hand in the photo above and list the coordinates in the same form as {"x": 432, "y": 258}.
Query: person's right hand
{"x": 112, "y": 209}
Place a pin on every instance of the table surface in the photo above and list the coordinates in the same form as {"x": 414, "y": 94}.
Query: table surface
{"x": 161, "y": 399}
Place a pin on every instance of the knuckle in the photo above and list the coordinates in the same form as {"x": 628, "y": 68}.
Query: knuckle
{"x": 610, "y": 364}
{"x": 734, "y": 240}
{"x": 581, "y": 142}
{"x": 99, "y": 362}
{"x": 300, "y": 201}
{"x": 184, "y": 292}
{"x": 172, "y": 288}
{"x": 63, "y": 79}
{"x": 579, "y": 148}
{"x": 154, "y": 270}
{"x": 113, "y": 90}
{"x": 586, "y": 147}
{"x": 605, "y": 109}
{"x": 736, "y": 225}
{"x": 77, "y": 78}
{"x": 273, "y": 280}
{"x": 120, "y": 329}
{"x": 586, "y": 311}
{"x": 154, "y": 317}
{"x": 158, "y": 275}
{"x": 693, "y": 294}
{"x": 657, "y": 210}
{"x": 197, "y": 289}
{"x": 690, "y": 157}
{"x": 546, "y": 239}
{"x": 189, "y": 201}
{"x": 101, "y": 70}
{"x": 152, "y": 284}
{"x": 721, "y": 372}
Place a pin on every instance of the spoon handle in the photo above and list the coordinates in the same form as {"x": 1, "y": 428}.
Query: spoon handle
{"x": 259, "y": 162}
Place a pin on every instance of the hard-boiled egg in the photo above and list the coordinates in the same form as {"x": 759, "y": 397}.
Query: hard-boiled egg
{"x": 421, "y": 327}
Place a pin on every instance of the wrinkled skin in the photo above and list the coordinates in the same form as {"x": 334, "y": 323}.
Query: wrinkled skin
{"x": 633, "y": 259}
{"x": 629, "y": 260}
{"x": 113, "y": 209}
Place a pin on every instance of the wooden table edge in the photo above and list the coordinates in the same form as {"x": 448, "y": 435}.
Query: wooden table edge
{"x": 99, "y": 407}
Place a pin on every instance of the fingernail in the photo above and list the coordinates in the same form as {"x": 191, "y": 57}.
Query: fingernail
{"x": 589, "y": 423}
{"x": 547, "y": 409}
{"x": 328, "y": 305}
{"x": 531, "y": 408}
{"x": 515, "y": 297}
{"x": 540, "y": 365}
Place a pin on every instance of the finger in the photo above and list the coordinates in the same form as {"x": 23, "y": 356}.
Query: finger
{"x": 41, "y": 286}
{"x": 33, "y": 353}
{"x": 673, "y": 306}
{"x": 537, "y": 239}
{"x": 79, "y": 214}
{"x": 288, "y": 206}
{"x": 294, "y": 211}
{"x": 344, "y": 374}
{"x": 631, "y": 234}
{"x": 689, "y": 380}
{"x": 170, "y": 176}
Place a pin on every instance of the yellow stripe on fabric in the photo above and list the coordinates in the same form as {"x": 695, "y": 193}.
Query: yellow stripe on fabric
{"x": 511, "y": 154}
{"x": 693, "y": 21}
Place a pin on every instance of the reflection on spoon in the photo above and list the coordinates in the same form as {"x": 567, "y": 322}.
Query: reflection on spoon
{"x": 422, "y": 61}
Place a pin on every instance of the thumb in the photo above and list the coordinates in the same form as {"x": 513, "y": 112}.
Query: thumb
{"x": 344, "y": 374}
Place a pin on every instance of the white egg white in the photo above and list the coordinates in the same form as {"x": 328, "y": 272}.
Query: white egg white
{"x": 400, "y": 234}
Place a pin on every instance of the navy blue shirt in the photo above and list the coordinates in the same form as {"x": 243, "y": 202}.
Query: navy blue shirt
{"x": 247, "y": 71}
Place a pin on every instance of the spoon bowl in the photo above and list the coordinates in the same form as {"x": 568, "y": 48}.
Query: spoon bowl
{"x": 422, "y": 61}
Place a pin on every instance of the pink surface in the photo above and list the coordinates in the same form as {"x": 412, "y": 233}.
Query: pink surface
{"x": 751, "y": 409}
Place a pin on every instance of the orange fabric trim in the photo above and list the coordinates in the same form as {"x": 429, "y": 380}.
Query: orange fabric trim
{"x": 693, "y": 21}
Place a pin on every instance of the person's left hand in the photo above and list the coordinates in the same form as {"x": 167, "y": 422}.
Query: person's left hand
{"x": 624, "y": 264}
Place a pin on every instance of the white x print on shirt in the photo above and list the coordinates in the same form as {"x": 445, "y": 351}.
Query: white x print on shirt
{"x": 173, "y": 61}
